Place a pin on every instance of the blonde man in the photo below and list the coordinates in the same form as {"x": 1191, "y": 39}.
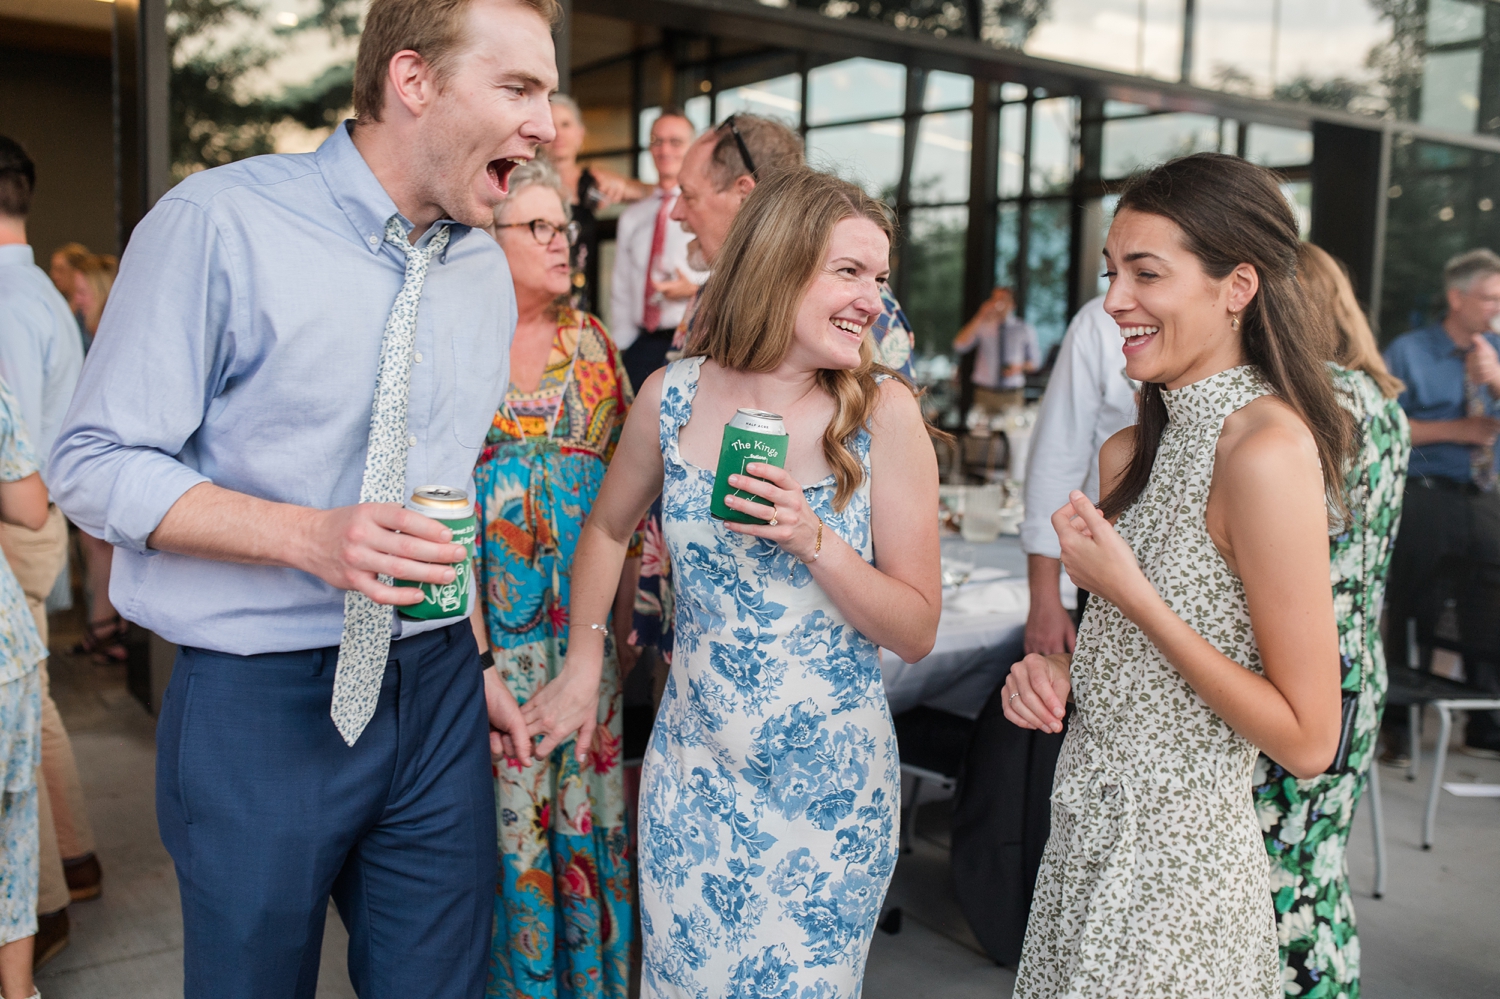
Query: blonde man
{"x": 293, "y": 345}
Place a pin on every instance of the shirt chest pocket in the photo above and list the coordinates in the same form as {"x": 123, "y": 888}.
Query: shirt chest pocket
{"x": 480, "y": 370}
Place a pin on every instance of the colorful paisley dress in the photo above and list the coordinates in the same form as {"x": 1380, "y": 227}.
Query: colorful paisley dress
{"x": 1306, "y": 822}
{"x": 563, "y": 912}
{"x": 1153, "y": 883}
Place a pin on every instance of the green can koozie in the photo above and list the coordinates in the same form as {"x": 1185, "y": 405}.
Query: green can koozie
{"x": 751, "y": 437}
{"x": 452, "y": 507}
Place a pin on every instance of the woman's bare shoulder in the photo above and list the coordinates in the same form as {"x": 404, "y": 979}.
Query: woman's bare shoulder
{"x": 1266, "y": 438}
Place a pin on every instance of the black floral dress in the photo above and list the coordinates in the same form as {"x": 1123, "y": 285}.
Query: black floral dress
{"x": 1306, "y": 822}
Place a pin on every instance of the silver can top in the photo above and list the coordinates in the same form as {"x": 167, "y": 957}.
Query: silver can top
{"x": 758, "y": 421}
{"x": 441, "y": 502}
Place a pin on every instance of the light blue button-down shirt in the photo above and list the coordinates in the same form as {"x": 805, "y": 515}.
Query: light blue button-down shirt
{"x": 40, "y": 350}
{"x": 240, "y": 346}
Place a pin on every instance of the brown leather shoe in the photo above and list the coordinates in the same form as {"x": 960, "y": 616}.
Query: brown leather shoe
{"x": 84, "y": 877}
{"x": 51, "y": 937}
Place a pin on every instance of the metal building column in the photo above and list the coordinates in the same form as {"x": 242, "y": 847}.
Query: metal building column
{"x": 143, "y": 168}
{"x": 984, "y": 166}
{"x": 1349, "y": 202}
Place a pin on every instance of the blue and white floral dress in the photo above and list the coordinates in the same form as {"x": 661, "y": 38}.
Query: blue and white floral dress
{"x": 770, "y": 788}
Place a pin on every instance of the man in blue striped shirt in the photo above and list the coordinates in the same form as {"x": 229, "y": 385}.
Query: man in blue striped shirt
{"x": 221, "y": 439}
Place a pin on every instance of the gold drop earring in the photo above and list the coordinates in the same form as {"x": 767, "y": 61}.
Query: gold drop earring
{"x": 1234, "y": 321}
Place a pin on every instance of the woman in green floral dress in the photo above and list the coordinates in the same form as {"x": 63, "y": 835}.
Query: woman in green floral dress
{"x": 1306, "y": 822}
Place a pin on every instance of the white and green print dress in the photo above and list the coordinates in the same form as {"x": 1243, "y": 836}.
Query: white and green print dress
{"x": 1306, "y": 823}
{"x": 1154, "y": 883}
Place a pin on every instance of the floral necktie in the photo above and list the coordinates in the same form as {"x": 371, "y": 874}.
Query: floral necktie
{"x": 366, "y": 642}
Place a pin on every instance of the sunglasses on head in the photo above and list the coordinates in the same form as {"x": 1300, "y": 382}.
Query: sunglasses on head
{"x": 739, "y": 140}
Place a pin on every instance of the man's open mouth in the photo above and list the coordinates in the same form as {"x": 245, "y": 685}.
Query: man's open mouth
{"x": 499, "y": 172}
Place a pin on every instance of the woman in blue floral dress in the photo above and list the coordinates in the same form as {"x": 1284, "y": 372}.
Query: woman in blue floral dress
{"x": 23, "y": 501}
{"x": 768, "y": 829}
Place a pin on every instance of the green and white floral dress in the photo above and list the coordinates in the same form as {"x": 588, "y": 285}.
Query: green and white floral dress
{"x": 1154, "y": 882}
{"x": 1306, "y": 822}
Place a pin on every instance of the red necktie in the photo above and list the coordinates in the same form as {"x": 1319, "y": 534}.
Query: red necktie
{"x": 651, "y": 314}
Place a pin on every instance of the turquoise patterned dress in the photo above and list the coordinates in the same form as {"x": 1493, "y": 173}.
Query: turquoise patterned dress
{"x": 770, "y": 787}
{"x": 21, "y": 650}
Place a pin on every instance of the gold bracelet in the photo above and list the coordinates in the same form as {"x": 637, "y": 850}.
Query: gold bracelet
{"x": 817, "y": 546}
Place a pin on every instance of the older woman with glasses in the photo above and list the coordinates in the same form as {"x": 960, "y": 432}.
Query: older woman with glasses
{"x": 563, "y": 912}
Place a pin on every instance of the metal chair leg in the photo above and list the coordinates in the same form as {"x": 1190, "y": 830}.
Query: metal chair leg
{"x": 1414, "y": 736}
{"x": 1377, "y": 824}
{"x": 909, "y": 815}
{"x": 1445, "y": 728}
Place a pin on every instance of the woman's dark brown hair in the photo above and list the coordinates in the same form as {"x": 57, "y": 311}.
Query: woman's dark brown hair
{"x": 1231, "y": 212}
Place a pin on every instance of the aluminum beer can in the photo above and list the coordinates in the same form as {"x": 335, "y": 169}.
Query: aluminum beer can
{"x": 751, "y": 437}
{"x": 452, "y": 507}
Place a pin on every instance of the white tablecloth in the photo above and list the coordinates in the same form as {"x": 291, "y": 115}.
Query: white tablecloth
{"x": 979, "y": 637}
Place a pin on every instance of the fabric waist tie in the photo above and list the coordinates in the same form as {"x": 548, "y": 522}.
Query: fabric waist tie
{"x": 1106, "y": 816}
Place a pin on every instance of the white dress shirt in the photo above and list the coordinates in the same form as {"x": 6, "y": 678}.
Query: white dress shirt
{"x": 627, "y": 293}
{"x": 1088, "y": 400}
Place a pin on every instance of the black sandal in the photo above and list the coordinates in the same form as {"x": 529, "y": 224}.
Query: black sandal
{"x": 101, "y": 639}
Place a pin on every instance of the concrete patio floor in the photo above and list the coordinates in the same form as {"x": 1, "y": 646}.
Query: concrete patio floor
{"x": 1433, "y": 935}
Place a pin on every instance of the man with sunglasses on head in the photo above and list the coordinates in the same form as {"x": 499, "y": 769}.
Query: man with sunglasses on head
{"x": 653, "y": 280}
{"x": 720, "y": 170}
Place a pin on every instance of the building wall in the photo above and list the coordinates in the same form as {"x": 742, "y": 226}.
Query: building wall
{"x": 60, "y": 108}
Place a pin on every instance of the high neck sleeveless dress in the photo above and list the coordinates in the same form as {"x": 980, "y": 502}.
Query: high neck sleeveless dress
{"x": 769, "y": 791}
{"x": 1154, "y": 881}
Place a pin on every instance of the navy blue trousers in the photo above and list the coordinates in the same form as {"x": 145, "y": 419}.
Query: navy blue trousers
{"x": 267, "y": 813}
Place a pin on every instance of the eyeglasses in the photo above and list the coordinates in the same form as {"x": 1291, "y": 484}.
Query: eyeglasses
{"x": 544, "y": 232}
{"x": 676, "y": 142}
{"x": 739, "y": 140}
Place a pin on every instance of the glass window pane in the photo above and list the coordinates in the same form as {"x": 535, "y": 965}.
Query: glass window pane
{"x": 645, "y": 167}
{"x": 1053, "y": 124}
{"x": 1048, "y": 251}
{"x": 855, "y": 88}
{"x": 1272, "y": 146}
{"x": 1232, "y": 46}
{"x": 1444, "y": 200}
{"x": 947, "y": 90}
{"x": 1133, "y": 143}
{"x": 697, "y": 110}
{"x": 1012, "y": 149}
{"x": 779, "y": 98}
{"x": 868, "y": 154}
{"x": 1450, "y": 90}
{"x": 1007, "y": 244}
{"x": 1107, "y": 33}
{"x": 1451, "y": 21}
{"x": 1013, "y": 92}
{"x": 1108, "y": 204}
{"x": 933, "y": 258}
{"x": 940, "y": 171}
{"x": 1299, "y": 195}
{"x": 1324, "y": 51}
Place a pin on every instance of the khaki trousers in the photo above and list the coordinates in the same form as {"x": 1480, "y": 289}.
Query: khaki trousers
{"x": 37, "y": 558}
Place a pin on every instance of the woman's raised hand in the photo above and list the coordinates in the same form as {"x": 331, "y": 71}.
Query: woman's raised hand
{"x": 1095, "y": 555}
{"x": 1036, "y": 692}
{"x": 790, "y": 522}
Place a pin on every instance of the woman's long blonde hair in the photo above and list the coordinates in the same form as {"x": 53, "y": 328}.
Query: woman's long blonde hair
{"x": 1327, "y": 286}
{"x": 98, "y": 271}
{"x": 746, "y": 316}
